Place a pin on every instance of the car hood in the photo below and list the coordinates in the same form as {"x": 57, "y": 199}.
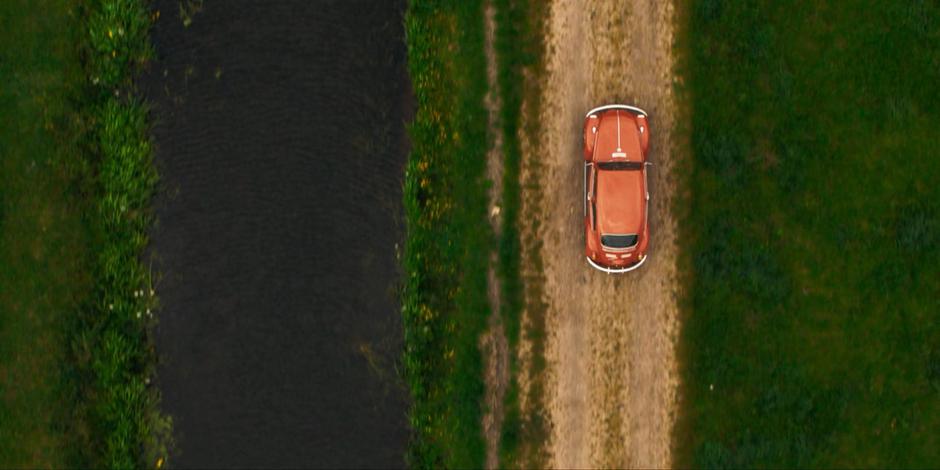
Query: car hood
{"x": 621, "y": 202}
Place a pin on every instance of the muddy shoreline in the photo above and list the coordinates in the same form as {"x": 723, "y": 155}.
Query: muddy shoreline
{"x": 280, "y": 141}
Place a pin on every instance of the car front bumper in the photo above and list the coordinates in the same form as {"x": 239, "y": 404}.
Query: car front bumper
{"x": 616, "y": 270}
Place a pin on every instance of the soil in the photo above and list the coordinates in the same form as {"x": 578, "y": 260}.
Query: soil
{"x": 612, "y": 377}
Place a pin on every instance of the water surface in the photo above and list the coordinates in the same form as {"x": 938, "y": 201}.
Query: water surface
{"x": 279, "y": 131}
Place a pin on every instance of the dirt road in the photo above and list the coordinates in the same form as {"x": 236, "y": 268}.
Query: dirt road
{"x": 611, "y": 389}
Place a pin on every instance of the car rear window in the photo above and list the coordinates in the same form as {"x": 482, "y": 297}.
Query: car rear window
{"x": 620, "y": 165}
{"x": 618, "y": 241}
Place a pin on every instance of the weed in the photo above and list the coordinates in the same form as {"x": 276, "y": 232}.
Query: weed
{"x": 117, "y": 40}
{"x": 111, "y": 347}
{"x": 188, "y": 10}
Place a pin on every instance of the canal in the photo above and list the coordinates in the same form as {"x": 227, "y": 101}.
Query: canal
{"x": 279, "y": 130}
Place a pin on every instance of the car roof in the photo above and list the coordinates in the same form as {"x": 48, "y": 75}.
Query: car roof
{"x": 621, "y": 201}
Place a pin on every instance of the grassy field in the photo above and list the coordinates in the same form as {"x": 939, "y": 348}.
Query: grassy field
{"x": 76, "y": 300}
{"x": 444, "y": 301}
{"x": 813, "y": 235}
{"x": 44, "y": 244}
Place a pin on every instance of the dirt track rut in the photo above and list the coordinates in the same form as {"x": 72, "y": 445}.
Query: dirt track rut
{"x": 611, "y": 389}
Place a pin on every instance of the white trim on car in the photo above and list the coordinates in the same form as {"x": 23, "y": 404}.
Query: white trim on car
{"x": 618, "y": 270}
{"x": 633, "y": 109}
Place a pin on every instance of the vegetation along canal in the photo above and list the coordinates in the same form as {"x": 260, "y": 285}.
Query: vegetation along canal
{"x": 280, "y": 141}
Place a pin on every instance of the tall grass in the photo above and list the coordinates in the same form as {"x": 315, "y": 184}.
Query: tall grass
{"x": 811, "y": 336}
{"x": 444, "y": 301}
{"x": 111, "y": 349}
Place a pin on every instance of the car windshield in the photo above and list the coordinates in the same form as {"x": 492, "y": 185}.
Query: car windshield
{"x": 620, "y": 165}
{"x": 618, "y": 241}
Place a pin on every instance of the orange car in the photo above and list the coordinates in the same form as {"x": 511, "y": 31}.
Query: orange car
{"x": 616, "y": 194}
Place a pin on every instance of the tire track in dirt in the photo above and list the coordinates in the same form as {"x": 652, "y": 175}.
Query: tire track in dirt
{"x": 611, "y": 339}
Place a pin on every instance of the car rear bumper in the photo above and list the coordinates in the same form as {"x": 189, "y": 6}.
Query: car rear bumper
{"x": 632, "y": 109}
{"x": 616, "y": 270}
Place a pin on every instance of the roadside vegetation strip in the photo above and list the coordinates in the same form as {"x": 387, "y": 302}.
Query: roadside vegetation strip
{"x": 518, "y": 46}
{"x": 444, "y": 297}
{"x": 813, "y": 233}
{"x": 112, "y": 353}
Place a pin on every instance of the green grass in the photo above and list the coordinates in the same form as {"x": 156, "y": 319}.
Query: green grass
{"x": 518, "y": 46}
{"x": 111, "y": 349}
{"x": 812, "y": 235}
{"x": 76, "y": 301}
{"x": 444, "y": 301}
{"x": 44, "y": 245}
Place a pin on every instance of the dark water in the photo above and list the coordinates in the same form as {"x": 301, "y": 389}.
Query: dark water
{"x": 280, "y": 140}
